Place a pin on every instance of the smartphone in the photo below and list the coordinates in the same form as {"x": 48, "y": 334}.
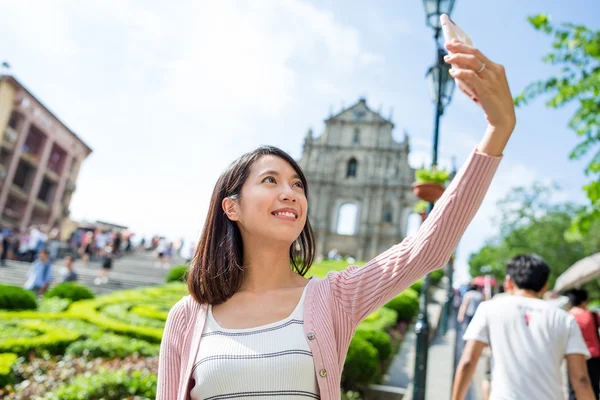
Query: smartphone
{"x": 452, "y": 31}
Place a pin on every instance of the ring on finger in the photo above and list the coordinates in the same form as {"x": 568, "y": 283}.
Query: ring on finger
{"x": 480, "y": 70}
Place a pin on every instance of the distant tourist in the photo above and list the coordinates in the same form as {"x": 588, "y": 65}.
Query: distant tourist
{"x": 40, "y": 274}
{"x": 529, "y": 340}
{"x": 471, "y": 301}
{"x": 69, "y": 274}
{"x": 588, "y": 322}
{"x": 107, "y": 261}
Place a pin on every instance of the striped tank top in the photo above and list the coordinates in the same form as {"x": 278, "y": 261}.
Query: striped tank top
{"x": 272, "y": 360}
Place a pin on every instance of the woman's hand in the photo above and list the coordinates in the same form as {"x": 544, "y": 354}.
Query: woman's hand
{"x": 487, "y": 86}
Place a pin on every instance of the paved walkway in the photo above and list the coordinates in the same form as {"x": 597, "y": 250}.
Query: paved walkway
{"x": 128, "y": 272}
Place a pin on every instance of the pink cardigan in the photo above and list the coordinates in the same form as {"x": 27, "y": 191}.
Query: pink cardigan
{"x": 336, "y": 304}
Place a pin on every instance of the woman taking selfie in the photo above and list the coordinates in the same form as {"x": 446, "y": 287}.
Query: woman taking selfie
{"x": 254, "y": 327}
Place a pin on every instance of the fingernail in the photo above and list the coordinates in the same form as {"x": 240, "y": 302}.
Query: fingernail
{"x": 446, "y": 57}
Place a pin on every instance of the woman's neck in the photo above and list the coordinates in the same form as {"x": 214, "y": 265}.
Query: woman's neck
{"x": 267, "y": 267}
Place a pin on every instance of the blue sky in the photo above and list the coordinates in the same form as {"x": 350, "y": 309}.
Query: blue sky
{"x": 168, "y": 96}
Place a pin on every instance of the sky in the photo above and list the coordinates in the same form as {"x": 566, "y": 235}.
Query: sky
{"x": 167, "y": 94}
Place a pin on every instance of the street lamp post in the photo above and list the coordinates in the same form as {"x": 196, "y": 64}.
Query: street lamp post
{"x": 442, "y": 86}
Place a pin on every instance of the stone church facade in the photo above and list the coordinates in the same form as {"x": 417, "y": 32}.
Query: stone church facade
{"x": 356, "y": 164}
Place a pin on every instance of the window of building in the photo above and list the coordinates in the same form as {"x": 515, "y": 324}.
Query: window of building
{"x": 46, "y": 191}
{"x": 356, "y": 139}
{"x": 347, "y": 218}
{"x": 23, "y": 175}
{"x": 352, "y": 166}
{"x": 34, "y": 142}
{"x": 388, "y": 215}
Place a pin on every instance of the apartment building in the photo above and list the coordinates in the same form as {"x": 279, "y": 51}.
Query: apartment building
{"x": 40, "y": 159}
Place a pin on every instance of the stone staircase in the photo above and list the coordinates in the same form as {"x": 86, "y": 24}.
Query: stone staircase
{"x": 128, "y": 272}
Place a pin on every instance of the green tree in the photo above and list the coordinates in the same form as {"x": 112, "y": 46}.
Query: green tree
{"x": 576, "y": 50}
{"x": 530, "y": 222}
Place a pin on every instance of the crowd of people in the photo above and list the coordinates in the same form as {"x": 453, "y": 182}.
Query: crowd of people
{"x": 42, "y": 247}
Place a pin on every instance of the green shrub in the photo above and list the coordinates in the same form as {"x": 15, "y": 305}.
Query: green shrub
{"x": 120, "y": 311}
{"x": 406, "y": 304}
{"x": 436, "y": 276}
{"x": 108, "y": 385}
{"x": 16, "y": 298}
{"x": 421, "y": 206}
{"x": 150, "y": 311}
{"x": 70, "y": 291}
{"x": 379, "y": 320}
{"x": 87, "y": 310}
{"x": 7, "y": 360}
{"x": 53, "y": 305}
{"x": 177, "y": 274}
{"x": 362, "y": 364}
{"x": 380, "y": 340}
{"x": 429, "y": 175}
{"x": 417, "y": 286}
{"x": 51, "y": 338}
{"x": 109, "y": 345}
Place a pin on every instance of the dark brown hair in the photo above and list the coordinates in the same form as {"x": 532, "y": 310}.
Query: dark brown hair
{"x": 216, "y": 271}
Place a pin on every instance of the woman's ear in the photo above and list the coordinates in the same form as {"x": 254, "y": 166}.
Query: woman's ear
{"x": 231, "y": 208}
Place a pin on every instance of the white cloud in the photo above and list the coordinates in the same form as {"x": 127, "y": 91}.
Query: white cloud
{"x": 41, "y": 25}
{"x": 168, "y": 96}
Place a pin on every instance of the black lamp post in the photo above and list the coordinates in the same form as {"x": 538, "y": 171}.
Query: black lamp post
{"x": 442, "y": 86}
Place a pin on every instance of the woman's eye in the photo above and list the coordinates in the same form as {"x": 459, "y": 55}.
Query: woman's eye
{"x": 299, "y": 184}
{"x": 269, "y": 179}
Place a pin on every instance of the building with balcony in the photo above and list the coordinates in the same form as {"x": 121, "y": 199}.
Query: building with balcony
{"x": 40, "y": 158}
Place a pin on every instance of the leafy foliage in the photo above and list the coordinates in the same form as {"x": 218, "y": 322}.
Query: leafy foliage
{"x": 70, "y": 291}
{"x": 576, "y": 51}
{"x": 108, "y": 385}
{"x": 16, "y": 298}
{"x": 431, "y": 175}
{"x": 531, "y": 223}
{"x": 177, "y": 274}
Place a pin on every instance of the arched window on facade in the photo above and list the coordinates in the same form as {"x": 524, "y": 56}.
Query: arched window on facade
{"x": 352, "y": 167}
{"x": 388, "y": 216}
{"x": 347, "y": 218}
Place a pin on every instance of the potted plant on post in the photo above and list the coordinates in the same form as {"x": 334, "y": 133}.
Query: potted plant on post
{"x": 430, "y": 184}
{"x": 421, "y": 209}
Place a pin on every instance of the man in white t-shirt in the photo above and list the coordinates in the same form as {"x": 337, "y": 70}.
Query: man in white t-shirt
{"x": 529, "y": 339}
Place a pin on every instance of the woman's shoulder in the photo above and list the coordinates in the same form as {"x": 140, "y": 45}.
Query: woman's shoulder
{"x": 185, "y": 307}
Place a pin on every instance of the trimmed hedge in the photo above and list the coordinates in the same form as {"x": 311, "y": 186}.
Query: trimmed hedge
{"x": 379, "y": 320}
{"x": 109, "y": 345}
{"x": 417, "y": 286}
{"x": 53, "y": 305}
{"x": 108, "y": 385}
{"x": 436, "y": 276}
{"x": 177, "y": 274}
{"x": 52, "y": 338}
{"x": 70, "y": 291}
{"x": 7, "y": 360}
{"x": 88, "y": 310}
{"x": 149, "y": 311}
{"x": 16, "y": 298}
{"x": 406, "y": 304}
{"x": 362, "y": 364}
{"x": 380, "y": 340}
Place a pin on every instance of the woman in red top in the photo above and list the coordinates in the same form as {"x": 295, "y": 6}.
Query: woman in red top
{"x": 588, "y": 323}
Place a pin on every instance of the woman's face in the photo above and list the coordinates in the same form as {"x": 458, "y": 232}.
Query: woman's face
{"x": 273, "y": 204}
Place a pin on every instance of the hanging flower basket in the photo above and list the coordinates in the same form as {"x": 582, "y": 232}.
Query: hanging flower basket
{"x": 428, "y": 191}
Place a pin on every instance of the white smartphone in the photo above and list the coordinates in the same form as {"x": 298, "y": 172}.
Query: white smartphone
{"x": 452, "y": 31}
